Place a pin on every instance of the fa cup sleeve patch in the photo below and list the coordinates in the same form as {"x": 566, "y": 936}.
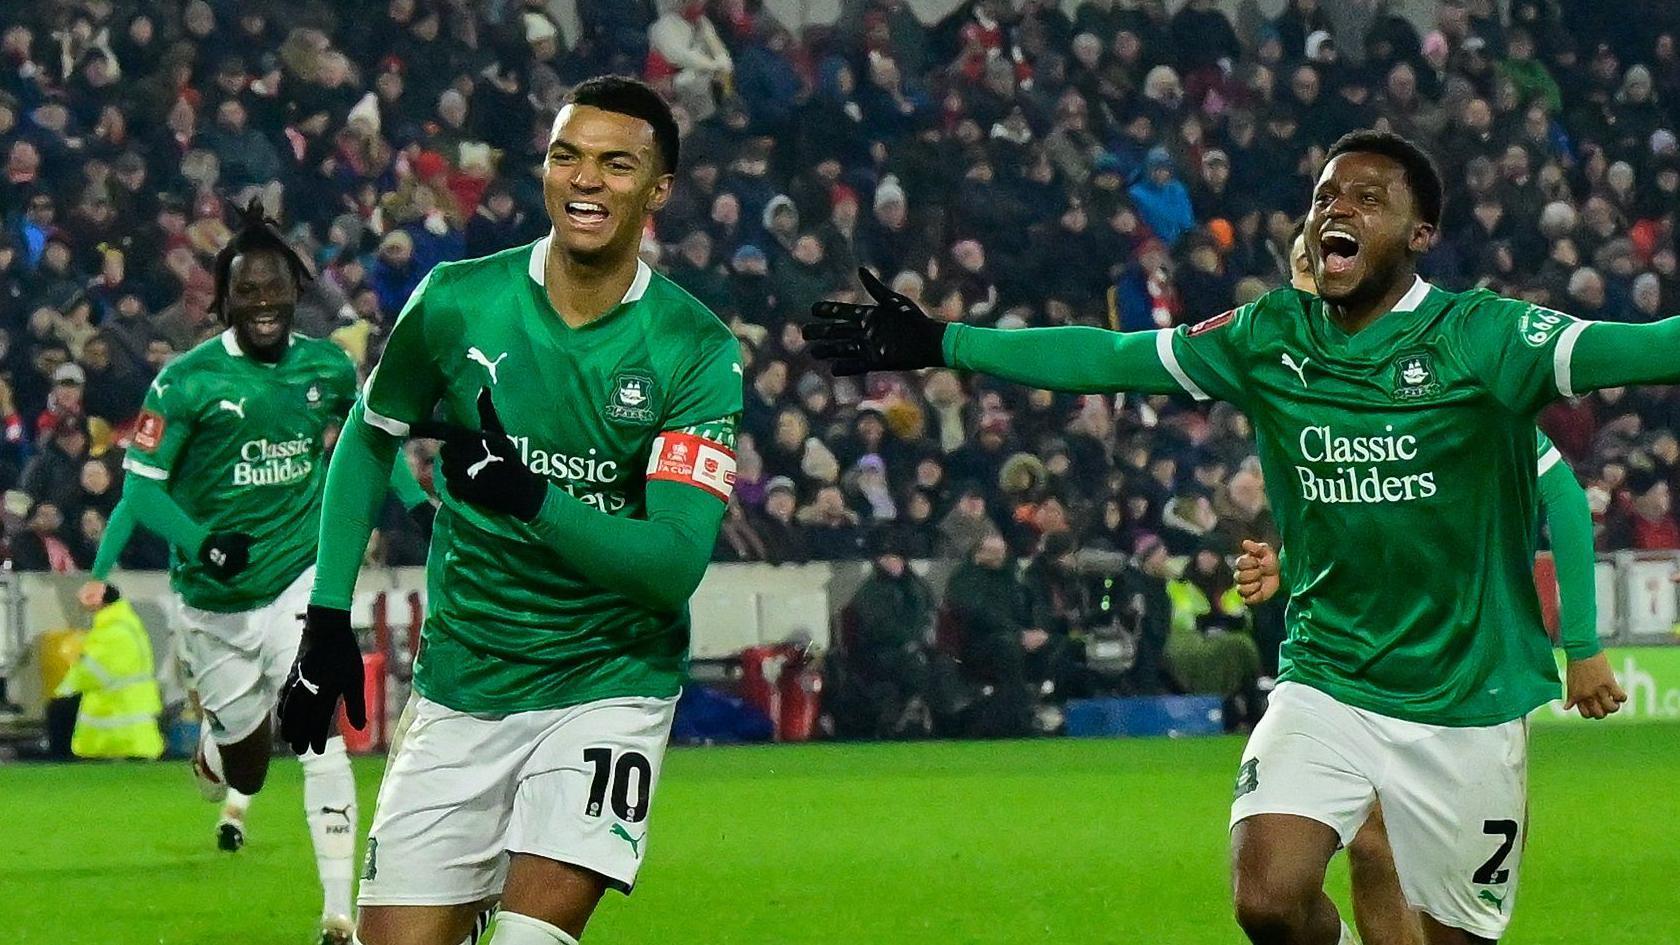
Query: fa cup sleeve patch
{"x": 148, "y": 433}
{"x": 693, "y": 460}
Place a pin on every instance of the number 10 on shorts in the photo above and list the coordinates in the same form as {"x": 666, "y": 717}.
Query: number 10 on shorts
{"x": 627, "y": 779}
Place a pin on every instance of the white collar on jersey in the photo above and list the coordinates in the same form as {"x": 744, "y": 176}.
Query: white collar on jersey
{"x": 230, "y": 344}
{"x": 538, "y": 271}
{"x": 1413, "y": 297}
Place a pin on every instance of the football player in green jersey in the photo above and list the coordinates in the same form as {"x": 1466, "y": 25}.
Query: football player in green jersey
{"x": 1395, "y": 425}
{"x": 588, "y": 412}
{"x": 1380, "y": 910}
{"x": 226, "y": 465}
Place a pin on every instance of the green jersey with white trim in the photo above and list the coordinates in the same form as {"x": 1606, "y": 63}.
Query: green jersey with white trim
{"x": 650, "y": 390}
{"x": 1401, "y": 462}
{"x": 1546, "y": 451}
{"x": 237, "y": 442}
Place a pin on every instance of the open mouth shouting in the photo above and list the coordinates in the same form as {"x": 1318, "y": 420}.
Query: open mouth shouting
{"x": 1339, "y": 249}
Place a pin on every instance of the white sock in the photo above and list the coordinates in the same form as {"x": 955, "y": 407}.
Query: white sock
{"x": 1348, "y": 938}
{"x": 235, "y": 805}
{"x": 329, "y": 804}
{"x": 511, "y": 928}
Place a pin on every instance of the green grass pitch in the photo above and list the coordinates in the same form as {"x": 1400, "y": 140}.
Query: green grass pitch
{"x": 944, "y": 844}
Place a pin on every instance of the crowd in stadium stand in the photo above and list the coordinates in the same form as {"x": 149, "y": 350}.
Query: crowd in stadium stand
{"x": 1124, "y": 166}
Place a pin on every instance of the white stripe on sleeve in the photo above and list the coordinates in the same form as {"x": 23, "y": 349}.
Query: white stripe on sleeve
{"x": 1164, "y": 349}
{"x": 1563, "y": 355}
{"x": 141, "y": 469}
{"x": 381, "y": 422}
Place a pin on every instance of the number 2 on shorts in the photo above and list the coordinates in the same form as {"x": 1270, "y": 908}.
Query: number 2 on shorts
{"x": 631, "y": 772}
{"x": 1493, "y": 872}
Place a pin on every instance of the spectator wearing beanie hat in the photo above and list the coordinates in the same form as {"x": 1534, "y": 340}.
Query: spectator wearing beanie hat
{"x": 783, "y": 538}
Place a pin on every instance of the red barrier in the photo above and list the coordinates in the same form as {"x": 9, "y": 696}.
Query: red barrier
{"x": 373, "y": 737}
{"x": 1545, "y": 583}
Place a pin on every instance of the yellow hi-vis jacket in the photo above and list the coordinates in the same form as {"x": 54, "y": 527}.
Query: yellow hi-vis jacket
{"x": 118, "y": 717}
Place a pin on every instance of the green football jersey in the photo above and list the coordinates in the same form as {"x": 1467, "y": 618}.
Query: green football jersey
{"x": 1401, "y": 464}
{"x": 1546, "y": 452}
{"x": 650, "y": 389}
{"x": 238, "y": 444}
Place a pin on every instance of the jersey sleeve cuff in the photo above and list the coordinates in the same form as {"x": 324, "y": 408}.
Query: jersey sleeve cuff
{"x": 1169, "y": 360}
{"x": 383, "y": 423}
{"x": 1582, "y": 651}
{"x": 141, "y": 469}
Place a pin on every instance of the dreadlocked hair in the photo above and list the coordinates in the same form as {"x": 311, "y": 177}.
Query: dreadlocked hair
{"x": 256, "y": 232}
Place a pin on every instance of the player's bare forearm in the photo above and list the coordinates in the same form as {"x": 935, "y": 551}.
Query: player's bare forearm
{"x": 1075, "y": 359}
{"x": 1569, "y": 520}
{"x": 155, "y": 508}
{"x": 1610, "y": 354}
{"x": 357, "y": 477}
{"x": 657, "y": 561}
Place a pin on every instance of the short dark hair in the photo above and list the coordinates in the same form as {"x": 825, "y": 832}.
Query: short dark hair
{"x": 1422, "y": 177}
{"x": 256, "y": 233}
{"x": 633, "y": 97}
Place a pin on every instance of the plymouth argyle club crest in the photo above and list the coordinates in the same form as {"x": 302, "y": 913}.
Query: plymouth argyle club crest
{"x": 632, "y": 398}
{"x": 1414, "y": 376}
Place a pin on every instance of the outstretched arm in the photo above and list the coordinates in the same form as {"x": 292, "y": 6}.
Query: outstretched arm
{"x": 1611, "y": 354}
{"x": 894, "y": 334}
{"x": 1075, "y": 359}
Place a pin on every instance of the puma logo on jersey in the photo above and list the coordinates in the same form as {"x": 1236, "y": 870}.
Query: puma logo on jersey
{"x": 478, "y": 467}
{"x": 159, "y": 386}
{"x": 234, "y": 408}
{"x": 1299, "y": 369}
{"x": 473, "y": 354}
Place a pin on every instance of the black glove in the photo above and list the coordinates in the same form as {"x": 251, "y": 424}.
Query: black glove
{"x": 225, "y": 554}
{"x": 328, "y": 666}
{"x": 891, "y": 335}
{"x": 483, "y": 466}
{"x": 423, "y": 515}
